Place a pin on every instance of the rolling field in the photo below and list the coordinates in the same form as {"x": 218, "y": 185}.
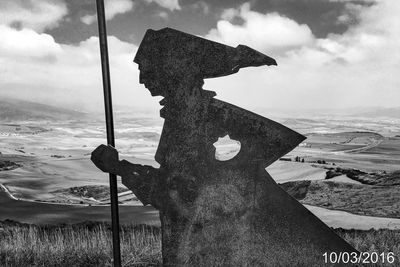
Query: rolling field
{"x": 54, "y": 158}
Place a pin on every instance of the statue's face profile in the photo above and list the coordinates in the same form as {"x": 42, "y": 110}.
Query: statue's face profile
{"x": 162, "y": 80}
{"x": 151, "y": 79}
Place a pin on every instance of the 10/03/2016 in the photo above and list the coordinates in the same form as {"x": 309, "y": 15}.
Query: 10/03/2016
{"x": 362, "y": 257}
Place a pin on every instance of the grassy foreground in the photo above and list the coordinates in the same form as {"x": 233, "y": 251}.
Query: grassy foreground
{"x": 90, "y": 244}
{"x": 77, "y": 245}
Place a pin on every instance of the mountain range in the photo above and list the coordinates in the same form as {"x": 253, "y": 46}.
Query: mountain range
{"x": 21, "y": 110}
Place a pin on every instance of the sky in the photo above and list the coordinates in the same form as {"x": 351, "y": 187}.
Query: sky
{"x": 330, "y": 53}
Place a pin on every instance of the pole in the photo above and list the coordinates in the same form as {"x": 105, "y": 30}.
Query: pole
{"x": 110, "y": 127}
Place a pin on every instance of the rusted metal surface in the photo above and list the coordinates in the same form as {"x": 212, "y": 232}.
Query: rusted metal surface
{"x": 215, "y": 213}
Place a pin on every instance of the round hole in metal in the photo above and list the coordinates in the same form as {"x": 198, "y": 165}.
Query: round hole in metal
{"x": 226, "y": 148}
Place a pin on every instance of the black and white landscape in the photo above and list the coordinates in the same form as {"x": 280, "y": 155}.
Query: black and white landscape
{"x": 346, "y": 171}
{"x": 336, "y": 82}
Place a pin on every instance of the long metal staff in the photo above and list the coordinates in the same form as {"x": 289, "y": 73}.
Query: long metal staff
{"x": 110, "y": 127}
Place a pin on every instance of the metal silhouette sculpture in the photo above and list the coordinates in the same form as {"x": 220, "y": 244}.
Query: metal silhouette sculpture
{"x": 215, "y": 213}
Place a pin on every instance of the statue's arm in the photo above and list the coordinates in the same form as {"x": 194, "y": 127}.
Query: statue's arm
{"x": 141, "y": 179}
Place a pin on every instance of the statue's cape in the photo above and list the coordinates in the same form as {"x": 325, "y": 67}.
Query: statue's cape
{"x": 266, "y": 140}
{"x": 262, "y": 140}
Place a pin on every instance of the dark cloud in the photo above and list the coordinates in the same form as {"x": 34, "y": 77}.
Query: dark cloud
{"x": 18, "y": 25}
{"x": 198, "y": 17}
{"x": 73, "y": 30}
{"x": 195, "y": 16}
{"x": 320, "y": 15}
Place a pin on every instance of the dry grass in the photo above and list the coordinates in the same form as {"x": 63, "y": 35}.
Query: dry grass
{"x": 79, "y": 245}
{"x": 90, "y": 245}
{"x": 373, "y": 240}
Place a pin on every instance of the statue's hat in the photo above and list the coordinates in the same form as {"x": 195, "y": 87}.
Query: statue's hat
{"x": 178, "y": 53}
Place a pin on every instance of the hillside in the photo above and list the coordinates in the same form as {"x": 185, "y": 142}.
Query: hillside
{"x": 379, "y": 112}
{"x": 19, "y": 110}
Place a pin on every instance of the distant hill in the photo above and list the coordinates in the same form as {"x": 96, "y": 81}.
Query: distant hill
{"x": 379, "y": 112}
{"x": 20, "y": 110}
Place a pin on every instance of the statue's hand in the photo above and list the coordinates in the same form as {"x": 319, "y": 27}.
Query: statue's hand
{"x": 106, "y": 158}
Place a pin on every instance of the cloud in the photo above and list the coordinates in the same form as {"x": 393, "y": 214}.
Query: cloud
{"x": 35, "y": 14}
{"x": 351, "y": 14}
{"x": 374, "y": 40}
{"x": 88, "y": 19}
{"x": 163, "y": 15}
{"x": 266, "y": 32}
{"x": 201, "y": 5}
{"x": 168, "y": 4}
{"x": 357, "y": 1}
{"x": 356, "y": 68}
{"x": 35, "y": 67}
{"x": 26, "y": 43}
{"x": 112, "y": 8}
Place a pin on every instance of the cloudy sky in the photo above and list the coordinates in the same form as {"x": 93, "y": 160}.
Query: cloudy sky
{"x": 330, "y": 53}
